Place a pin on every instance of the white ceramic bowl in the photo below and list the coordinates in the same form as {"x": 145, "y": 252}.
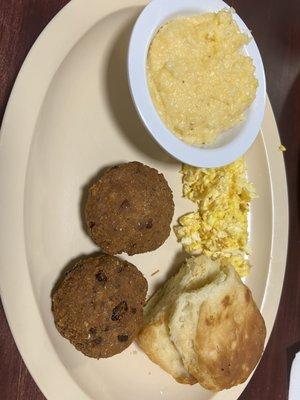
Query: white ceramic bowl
{"x": 231, "y": 144}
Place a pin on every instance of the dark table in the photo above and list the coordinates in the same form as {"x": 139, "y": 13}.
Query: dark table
{"x": 276, "y": 27}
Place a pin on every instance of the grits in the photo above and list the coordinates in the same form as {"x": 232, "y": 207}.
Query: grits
{"x": 199, "y": 80}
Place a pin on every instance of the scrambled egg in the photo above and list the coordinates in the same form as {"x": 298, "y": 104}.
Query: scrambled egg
{"x": 200, "y": 81}
{"x": 219, "y": 228}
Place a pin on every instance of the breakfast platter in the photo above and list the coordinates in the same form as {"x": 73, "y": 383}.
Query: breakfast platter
{"x": 96, "y": 216}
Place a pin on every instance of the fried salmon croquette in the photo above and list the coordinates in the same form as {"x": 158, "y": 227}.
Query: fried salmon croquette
{"x": 98, "y": 306}
{"x": 129, "y": 209}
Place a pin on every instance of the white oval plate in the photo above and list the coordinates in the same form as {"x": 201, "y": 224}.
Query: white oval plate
{"x": 69, "y": 115}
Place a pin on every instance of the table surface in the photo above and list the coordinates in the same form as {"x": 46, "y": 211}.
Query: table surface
{"x": 276, "y": 28}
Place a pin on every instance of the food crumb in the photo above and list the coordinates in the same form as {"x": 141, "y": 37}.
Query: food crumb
{"x": 149, "y": 373}
{"x": 155, "y": 272}
{"x": 282, "y": 148}
{"x": 134, "y": 352}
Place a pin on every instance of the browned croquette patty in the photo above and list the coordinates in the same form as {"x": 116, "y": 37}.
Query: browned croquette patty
{"x": 98, "y": 306}
{"x": 129, "y": 209}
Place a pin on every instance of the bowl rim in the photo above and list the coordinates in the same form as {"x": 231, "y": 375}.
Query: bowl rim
{"x": 152, "y": 17}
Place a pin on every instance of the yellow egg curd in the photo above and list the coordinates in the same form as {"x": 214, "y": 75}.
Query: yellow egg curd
{"x": 219, "y": 226}
{"x": 200, "y": 81}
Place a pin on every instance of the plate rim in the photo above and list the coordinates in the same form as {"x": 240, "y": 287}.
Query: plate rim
{"x": 15, "y": 146}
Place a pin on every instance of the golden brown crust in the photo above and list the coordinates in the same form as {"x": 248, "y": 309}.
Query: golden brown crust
{"x": 186, "y": 380}
{"x": 230, "y": 339}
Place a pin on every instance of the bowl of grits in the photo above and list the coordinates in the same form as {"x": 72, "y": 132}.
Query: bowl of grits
{"x": 197, "y": 80}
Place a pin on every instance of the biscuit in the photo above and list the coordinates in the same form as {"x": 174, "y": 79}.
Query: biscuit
{"x": 154, "y": 337}
{"x": 204, "y": 326}
{"x": 218, "y": 331}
